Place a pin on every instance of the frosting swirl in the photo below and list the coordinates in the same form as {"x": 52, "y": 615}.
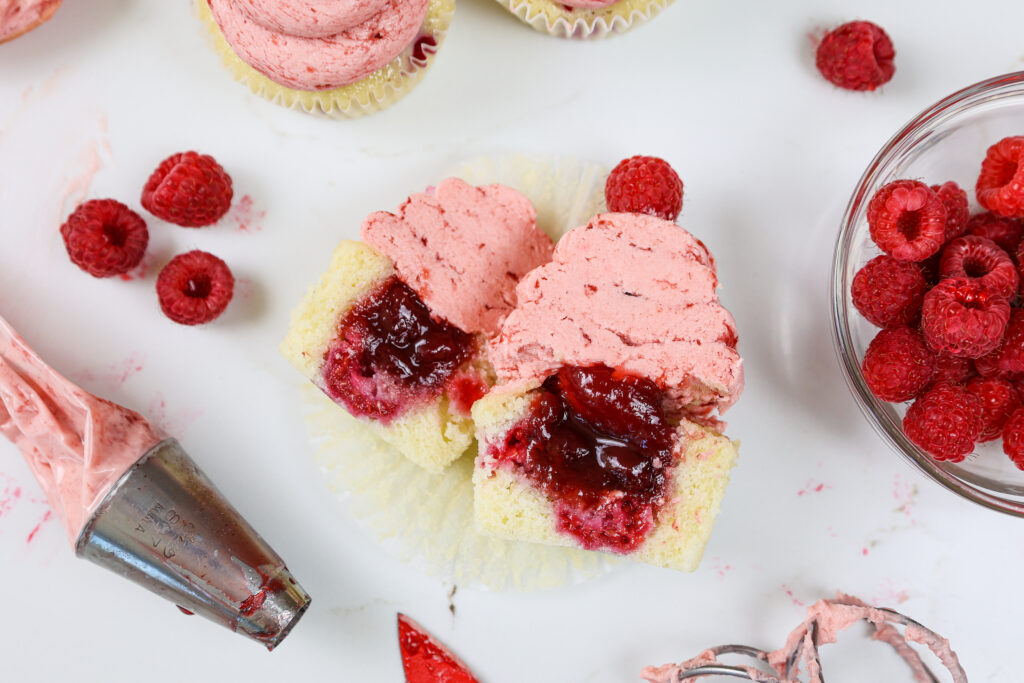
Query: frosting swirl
{"x": 318, "y": 44}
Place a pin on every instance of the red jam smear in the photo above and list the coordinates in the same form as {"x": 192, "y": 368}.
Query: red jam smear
{"x": 598, "y": 443}
{"x": 425, "y": 660}
{"x": 389, "y": 354}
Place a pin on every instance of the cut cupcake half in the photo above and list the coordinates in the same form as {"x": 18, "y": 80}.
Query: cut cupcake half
{"x": 395, "y": 331}
{"x": 561, "y": 467}
{"x": 603, "y": 430}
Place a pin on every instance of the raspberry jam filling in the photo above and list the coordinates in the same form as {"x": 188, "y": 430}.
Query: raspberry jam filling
{"x": 598, "y": 443}
{"x": 389, "y": 354}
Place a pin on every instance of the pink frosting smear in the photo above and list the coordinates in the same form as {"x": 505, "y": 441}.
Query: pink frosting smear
{"x": 825, "y": 619}
{"x": 349, "y": 42}
{"x": 77, "y": 445}
{"x": 19, "y": 16}
{"x": 628, "y": 291}
{"x": 587, "y": 4}
{"x": 462, "y": 249}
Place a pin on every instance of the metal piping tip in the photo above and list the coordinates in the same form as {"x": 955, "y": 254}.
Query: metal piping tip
{"x": 165, "y": 526}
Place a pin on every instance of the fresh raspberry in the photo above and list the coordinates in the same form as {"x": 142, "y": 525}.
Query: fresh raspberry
{"x": 1006, "y": 232}
{"x": 897, "y": 364}
{"x": 988, "y": 365}
{"x": 104, "y": 237}
{"x": 1008, "y": 357}
{"x": 957, "y": 211}
{"x": 999, "y": 398}
{"x": 188, "y": 189}
{"x": 1013, "y": 438}
{"x": 1000, "y": 187}
{"x": 194, "y": 288}
{"x": 889, "y": 292}
{"x": 980, "y": 259}
{"x": 856, "y": 56}
{"x": 960, "y": 317}
{"x": 952, "y": 369}
{"x": 907, "y": 220}
{"x": 645, "y": 185}
{"x": 944, "y": 421}
{"x": 425, "y": 659}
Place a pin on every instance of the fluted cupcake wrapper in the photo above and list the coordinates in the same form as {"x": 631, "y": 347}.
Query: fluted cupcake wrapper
{"x": 374, "y": 93}
{"x": 427, "y": 519}
{"x": 554, "y": 18}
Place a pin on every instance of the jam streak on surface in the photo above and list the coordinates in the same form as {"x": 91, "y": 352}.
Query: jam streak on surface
{"x": 389, "y": 354}
{"x": 425, "y": 660}
{"x": 597, "y": 442}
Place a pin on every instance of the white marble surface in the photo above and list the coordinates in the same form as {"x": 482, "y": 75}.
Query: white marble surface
{"x": 769, "y": 153}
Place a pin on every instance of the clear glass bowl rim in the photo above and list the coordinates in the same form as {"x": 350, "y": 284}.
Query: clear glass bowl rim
{"x": 987, "y": 91}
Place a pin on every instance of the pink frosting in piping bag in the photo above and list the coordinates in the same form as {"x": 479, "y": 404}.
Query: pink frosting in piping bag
{"x": 76, "y": 444}
{"x": 19, "y": 16}
{"x": 825, "y": 619}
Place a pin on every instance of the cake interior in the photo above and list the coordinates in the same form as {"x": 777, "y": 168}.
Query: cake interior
{"x": 589, "y": 458}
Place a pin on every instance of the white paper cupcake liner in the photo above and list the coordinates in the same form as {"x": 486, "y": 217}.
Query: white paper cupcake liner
{"x": 374, "y": 93}
{"x": 427, "y": 519}
{"x": 551, "y": 17}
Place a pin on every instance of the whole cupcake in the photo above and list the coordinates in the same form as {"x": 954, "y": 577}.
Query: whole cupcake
{"x": 345, "y": 59}
{"x": 21, "y": 16}
{"x": 584, "y": 18}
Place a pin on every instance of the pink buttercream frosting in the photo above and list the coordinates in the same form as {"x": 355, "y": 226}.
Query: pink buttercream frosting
{"x": 348, "y": 41}
{"x": 311, "y": 18}
{"x": 76, "y": 444}
{"x": 462, "y": 249}
{"x": 633, "y": 292}
{"x": 825, "y": 620}
{"x": 19, "y": 16}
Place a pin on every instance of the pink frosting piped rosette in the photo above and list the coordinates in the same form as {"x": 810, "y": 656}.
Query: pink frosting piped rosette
{"x": 343, "y": 59}
{"x": 76, "y": 444}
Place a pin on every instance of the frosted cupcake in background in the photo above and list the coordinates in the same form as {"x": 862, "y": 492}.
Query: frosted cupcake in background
{"x": 584, "y": 18}
{"x": 18, "y": 17}
{"x": 344, "y": 59}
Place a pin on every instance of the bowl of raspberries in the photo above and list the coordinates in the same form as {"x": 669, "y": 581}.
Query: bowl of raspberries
{"x": 928, "y": 292}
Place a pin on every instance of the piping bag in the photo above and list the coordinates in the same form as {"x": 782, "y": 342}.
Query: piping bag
{"x": 134, "y": 502}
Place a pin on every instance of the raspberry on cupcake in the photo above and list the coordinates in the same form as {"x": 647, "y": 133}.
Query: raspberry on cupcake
{"x": 645, "y": 185}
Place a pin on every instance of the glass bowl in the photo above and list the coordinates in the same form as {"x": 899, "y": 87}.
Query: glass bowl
{"x": 947, "y": 141}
